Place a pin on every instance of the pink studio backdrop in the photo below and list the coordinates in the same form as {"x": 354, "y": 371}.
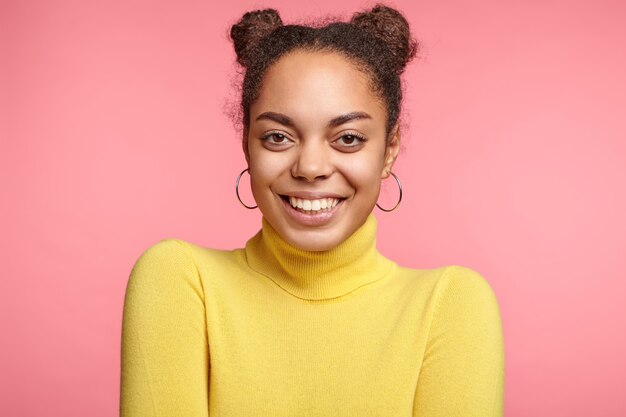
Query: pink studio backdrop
{"x": 114, "y": 135}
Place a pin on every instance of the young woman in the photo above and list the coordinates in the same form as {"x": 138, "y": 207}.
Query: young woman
{"x": 309, "y": 319}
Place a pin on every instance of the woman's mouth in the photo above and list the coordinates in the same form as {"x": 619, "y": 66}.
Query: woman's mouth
{"x": 312, "y": 212}
{"x": 311, "y": 206}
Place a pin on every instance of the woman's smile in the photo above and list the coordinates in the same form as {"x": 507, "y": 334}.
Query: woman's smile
{"x": 311, "y": 211}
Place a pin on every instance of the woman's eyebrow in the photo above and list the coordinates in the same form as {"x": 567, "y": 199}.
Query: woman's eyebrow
{"x": 344, "y": 118}
{"x": 334, "y": 122}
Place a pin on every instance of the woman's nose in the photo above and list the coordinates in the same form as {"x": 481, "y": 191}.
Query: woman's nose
{"x": 313, "y": 161}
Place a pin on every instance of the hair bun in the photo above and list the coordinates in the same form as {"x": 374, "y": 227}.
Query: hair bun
{"x": 251, "y": 28}
{"x": 389, "y": 25}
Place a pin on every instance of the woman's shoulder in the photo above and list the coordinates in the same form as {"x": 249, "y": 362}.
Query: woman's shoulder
{"x": 464, "y": 277}
{"x": 457, "y": 276}
{"x": 173, "y": 261}
{"x": 164, "y": 251}
{"x": 463, "y": 280}
{"x": 181, "y": 251}
{"x": 450, "y": 283}
{"x": 163, "y": 269}
{"x": 466, "y": 292}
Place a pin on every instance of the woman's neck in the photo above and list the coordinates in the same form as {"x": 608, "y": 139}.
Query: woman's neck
{"x": 318, "y": 275}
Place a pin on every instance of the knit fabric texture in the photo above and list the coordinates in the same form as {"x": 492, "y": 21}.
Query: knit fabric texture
{"x": 273, "y": 330}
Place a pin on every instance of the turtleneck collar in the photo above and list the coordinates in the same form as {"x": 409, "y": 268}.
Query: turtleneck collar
{"x": 318, "y": 275}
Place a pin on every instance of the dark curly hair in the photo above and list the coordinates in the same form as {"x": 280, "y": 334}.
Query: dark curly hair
{"x": 378, "y": 41}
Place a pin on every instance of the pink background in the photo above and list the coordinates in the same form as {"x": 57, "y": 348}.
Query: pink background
{"x": 114, "y": 136}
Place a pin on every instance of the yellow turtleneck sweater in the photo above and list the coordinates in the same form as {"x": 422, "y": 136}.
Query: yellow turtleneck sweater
{"x": 272, "y": 330}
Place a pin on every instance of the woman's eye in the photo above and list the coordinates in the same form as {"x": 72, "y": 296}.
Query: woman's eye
{"x": 275, "y": 138}
{"x": 350, "y": 140}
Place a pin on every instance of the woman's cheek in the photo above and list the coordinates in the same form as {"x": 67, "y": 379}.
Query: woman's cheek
{"x": 363, "y": 171}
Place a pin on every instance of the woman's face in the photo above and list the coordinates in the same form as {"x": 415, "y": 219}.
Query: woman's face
{"x": 317, "y": 141}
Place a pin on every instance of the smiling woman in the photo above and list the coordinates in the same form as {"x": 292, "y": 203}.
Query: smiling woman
{"x": 309, "y": 318}
{"x": 317, "y": 132}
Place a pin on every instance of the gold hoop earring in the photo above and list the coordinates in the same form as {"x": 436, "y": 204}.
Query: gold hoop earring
{"x": 237, "y": 190}
{"x": 399, "y": 199}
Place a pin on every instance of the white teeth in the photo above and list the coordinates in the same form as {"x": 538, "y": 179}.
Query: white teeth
{"x": 313, "y": 205}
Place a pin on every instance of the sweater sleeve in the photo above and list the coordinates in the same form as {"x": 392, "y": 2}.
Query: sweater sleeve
{"x": 463, "y": 369}
{"x": 164, "y": 352}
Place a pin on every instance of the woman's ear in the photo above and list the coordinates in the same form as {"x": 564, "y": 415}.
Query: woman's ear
{"x": 244, "y": 147}
{"x": 391, "y": 153}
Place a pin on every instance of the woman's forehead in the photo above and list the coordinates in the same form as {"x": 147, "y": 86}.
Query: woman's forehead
{"x": 324, "y": 84}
